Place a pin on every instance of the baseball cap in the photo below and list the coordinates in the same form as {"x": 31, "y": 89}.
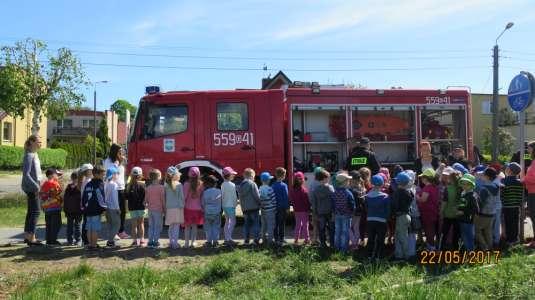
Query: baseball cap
{"x": 403, "y": 178}
{"x": 448, "y": 171}
{"x": 342, "y": 177}
{"x": 265, "y": 176}
{"x": 229, "y": 171}
{"x": 468, "y": 178}
{"x": 86, "y": 167}
{"x": 377, "y": 180}
{"x": 111, "y": 171}
{"x": 429, "y": 173}
{"x": 51, "y": 171}
{"x": 364, "y": 141}
{"x": 299, "y": 175}
{"x": 411, "y": 174}
{"x": 194, "y": 172}
{"x": 514, "y": 167}
{"x": 480, "y": 168}
{"x": 460, "y": 168}
{"x": 172, "y": 170}
{"x": 491, "y": 173}
{"x": 136, "y": 171}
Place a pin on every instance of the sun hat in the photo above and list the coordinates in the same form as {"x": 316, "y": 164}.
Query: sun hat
{"x": 448, "y": 171}
{"x": 429, "y": 173}
{"x": 194, "y": 172}
{"x": 480, "y": 169}
{"x": 468, "y": 178}
{"x": 377, "y": 180}
{"x": 172, "y": 170}
{"x": 460, "y": 168}
{"x": 402, "y": 178}
{"x": 136, "y": 171}
{"x": 229, "y": 171}
{"x": 265, "y": 176}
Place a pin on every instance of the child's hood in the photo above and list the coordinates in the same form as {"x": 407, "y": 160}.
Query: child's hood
{"x": 492, "y": 188}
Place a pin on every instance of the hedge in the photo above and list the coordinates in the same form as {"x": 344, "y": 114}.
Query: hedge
{"x": 11, "y": 158}
{"x": 77, "y": 154}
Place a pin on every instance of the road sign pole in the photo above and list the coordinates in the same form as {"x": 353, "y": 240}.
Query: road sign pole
{"x": 522, "y": 137}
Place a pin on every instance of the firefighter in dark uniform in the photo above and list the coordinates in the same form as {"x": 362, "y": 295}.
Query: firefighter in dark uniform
{"x": 361, "y": 156}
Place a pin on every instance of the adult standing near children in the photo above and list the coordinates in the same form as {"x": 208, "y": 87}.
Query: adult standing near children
{"x": 426, "y": 160}
{"x": 529, "y": 183}
{"x": 458, "y": 156}
{"x": 31, "y": 183}
{"x": 116, "y": 159}
{"x": 361, "y": 156}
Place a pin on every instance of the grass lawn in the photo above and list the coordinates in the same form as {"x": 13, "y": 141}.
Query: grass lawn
{"x": 13, "y": 211}
{"x": 292, "y": 273}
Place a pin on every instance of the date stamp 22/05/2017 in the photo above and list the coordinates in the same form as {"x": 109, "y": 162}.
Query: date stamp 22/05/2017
{"x": 459, "y": 257}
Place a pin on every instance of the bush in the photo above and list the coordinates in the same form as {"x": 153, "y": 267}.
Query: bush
{"x": 76, "y": 154}
{"x": 11, "y": 157}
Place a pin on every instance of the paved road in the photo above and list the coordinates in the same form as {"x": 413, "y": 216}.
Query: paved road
{"x": 10, "y": 184}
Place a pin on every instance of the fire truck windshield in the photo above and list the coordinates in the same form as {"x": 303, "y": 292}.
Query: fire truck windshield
{"x": 161, "y": 120}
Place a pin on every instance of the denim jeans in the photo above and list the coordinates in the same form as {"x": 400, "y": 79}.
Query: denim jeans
{"x": 326, "y": 224}
{"x": 53, "y": 225}
{"x": 447, "y": 225}
{"x": 268, "y": 225}
{"x": 468, "y": 233}
{"x": 155, "y": 225}
{"x": 32, "y": 213}
{"x": 251, "y": 225}
{"x": 113, "y": 218}
{"x": 342, "y": 223}
{"x": 212, "y": 225}
{"x": 376, "y": 238}
{"x": 280, "y": 224}
{"x": 73, "y": 227}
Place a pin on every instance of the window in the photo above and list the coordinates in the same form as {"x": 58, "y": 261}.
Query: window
{"x": 7, "y": 131}
{"x": 486, "y": 107}
{"x": 232, "y": 116}
{"x": 65, "y": 123}
{"x": 87, "y": 123}
{"x": 163, "y": 120}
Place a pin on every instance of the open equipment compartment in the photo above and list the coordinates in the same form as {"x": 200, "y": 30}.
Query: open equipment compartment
{"x": 319, "y": 136}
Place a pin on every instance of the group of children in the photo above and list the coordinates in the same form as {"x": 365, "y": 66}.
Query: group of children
{"x": 342, "y": 209}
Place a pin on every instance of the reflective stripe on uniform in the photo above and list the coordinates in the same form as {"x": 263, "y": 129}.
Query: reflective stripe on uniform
{"x": 359, "y": 161}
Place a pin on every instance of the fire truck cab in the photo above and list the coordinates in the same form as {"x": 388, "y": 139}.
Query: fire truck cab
{"x": 298, "y": 128}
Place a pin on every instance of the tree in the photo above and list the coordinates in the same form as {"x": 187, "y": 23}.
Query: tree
{"x": 506, "y": 141}
{"x": 121, "y": 106}
{"x": 506, "y": 117}
{"x": 33, "y": 78}
{"x": 102, "y": 138}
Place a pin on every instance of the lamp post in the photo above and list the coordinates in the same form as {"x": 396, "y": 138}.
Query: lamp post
{"x": 495, "y": 103}
{"x": 95, "y": 119}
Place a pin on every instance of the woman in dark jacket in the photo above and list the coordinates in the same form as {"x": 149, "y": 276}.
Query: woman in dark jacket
{"x": 426, "y": 159}
{"x": 31, "y": 182}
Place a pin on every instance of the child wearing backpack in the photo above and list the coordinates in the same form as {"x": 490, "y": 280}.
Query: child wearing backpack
{"x": 135, "y": 194}
{"x": 359, "y": 192}
{"x": 401, "y": 202}
{"x": 211, "y": 205}
{"x": 174, "y": 205}
{"x": 488, "y": 196}
{"x": 229, "y": 201}
{"x": 155, "y": 201}
{"x": 513, "y": 191}
{"x": 378, "y": 207}
{"x": 51, "y": 202}
{"x": 93, "y": 205}
{"x": 250, "y": 205}
{"x": 268, "y": 206}
{"x": 344, "y": 206}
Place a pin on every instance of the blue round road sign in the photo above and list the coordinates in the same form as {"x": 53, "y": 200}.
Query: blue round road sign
{"x": 521, "y": 90}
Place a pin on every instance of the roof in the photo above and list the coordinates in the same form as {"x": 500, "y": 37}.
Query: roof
{"x": 280, "y": 77}
{"x": 3, "y": 114}
{"x": 83, "y": 113}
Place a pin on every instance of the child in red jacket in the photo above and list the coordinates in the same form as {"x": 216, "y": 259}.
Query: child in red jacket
{"x": 51, "y": 202}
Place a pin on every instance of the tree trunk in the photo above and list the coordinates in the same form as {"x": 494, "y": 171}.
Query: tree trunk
{"x": 36, "y": 120}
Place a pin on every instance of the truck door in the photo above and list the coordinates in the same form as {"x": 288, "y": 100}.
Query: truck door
{"x": 232, "y": 131}
{"x": 167, "y": 136}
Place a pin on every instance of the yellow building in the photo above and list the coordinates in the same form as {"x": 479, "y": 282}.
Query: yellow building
{"x": 482, "y": 117}
{"x": 15, "y": 131}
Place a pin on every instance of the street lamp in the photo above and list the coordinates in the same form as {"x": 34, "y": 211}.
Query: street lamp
{"x": 95, "y": 119}
{"x": 495, "y": 103}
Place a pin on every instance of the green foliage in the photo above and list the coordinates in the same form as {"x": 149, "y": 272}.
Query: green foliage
{"x": 77, "y": 154}
{"x": 121, "y": 106}
{"x": 103, "y": 138}
{"x": 506, "y": 141}
{"x": 34, "y": 78}
{"x": 11, "y": 157}
{"x": 506, "y": 117}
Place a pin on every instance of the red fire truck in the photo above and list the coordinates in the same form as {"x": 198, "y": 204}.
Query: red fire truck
{"x": 298, "y": 128}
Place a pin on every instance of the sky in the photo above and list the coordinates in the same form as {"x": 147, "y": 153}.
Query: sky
{"x": 206, "y": 45}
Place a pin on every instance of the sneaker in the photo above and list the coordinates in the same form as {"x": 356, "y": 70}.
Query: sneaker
{"x": 156, "y": 245}
{"x": 207, "y": 245}
{"x": 246, "y": 242}
{"x": 215, "y": 244}
{"x": 135, "y": 244}
{"x": 123, "y": 235}
{"x": 53, "y": 243}
{"x": 111, "y": 245}
{"x": 150, "y": 244}
{"x": 142, "y": 243}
